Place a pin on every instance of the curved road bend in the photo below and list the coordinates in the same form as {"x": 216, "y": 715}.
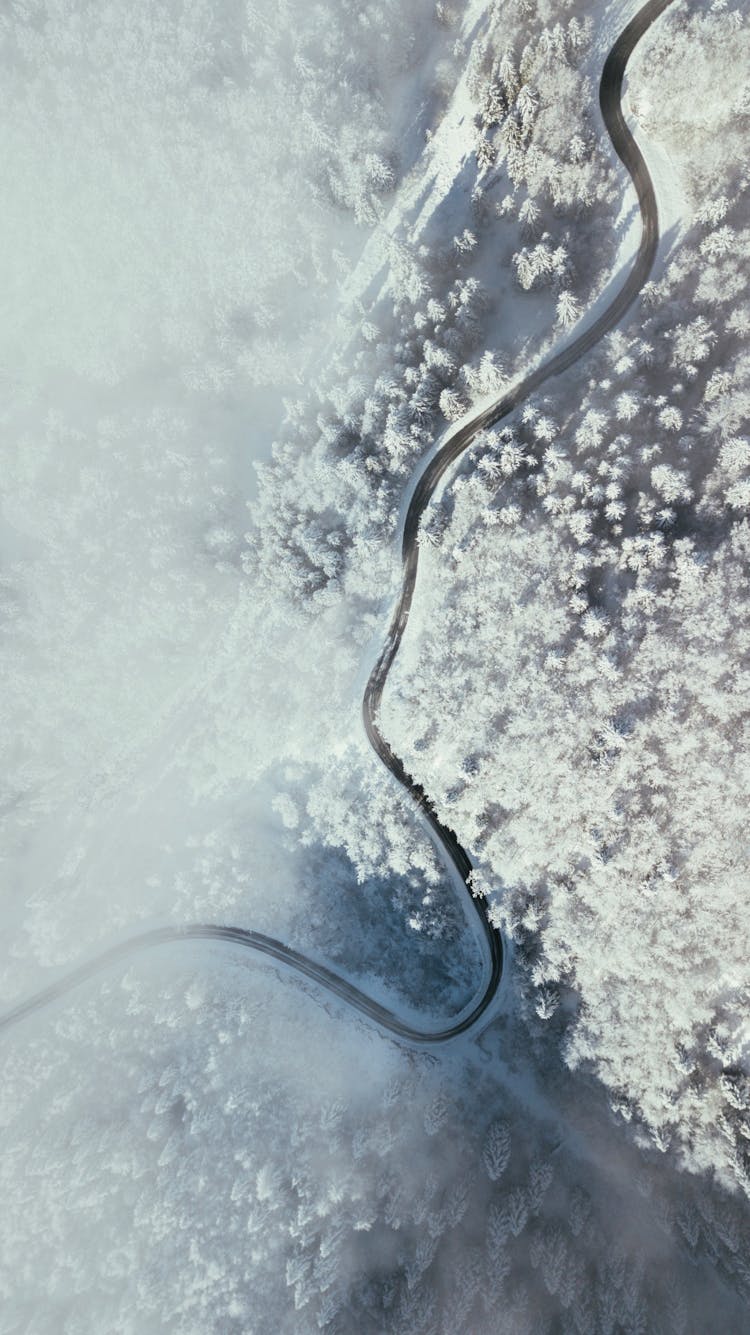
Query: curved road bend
{"x": 610, "y": 100}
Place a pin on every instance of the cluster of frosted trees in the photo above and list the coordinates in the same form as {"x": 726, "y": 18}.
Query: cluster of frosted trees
{"x": 419, "y": 358}
{"x": 595, "y": 630}
{"x": 324, "y": 1181}
{"x": 534, "y": 124}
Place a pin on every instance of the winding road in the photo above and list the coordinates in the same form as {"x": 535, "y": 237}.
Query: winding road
{"x": 610, "y": 100}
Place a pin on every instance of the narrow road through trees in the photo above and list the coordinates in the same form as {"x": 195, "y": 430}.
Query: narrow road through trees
{"x": 610, "y": 99}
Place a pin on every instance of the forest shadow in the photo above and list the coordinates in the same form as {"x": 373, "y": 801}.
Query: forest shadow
{"x": 378, "y": 930}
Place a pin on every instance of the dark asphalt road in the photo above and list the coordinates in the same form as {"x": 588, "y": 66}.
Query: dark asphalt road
{"x": 610, "y": 99}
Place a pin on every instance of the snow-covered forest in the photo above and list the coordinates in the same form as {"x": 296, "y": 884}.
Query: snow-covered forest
{"x": 258, "y": 261}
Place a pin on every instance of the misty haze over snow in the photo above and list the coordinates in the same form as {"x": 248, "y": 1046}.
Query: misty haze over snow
{"x": 263, "y": 267}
